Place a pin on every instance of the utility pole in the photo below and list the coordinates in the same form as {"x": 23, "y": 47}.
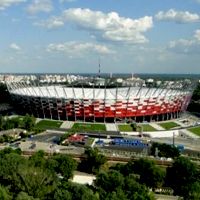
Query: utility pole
{"x": 173, "y": 140}
{"x": 156, "y": 152}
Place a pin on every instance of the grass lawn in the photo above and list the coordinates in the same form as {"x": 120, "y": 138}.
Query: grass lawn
{"x": 45, "y": 124}
{"x": 168, "y": 125}
{"x": 147, "y": 127}
{"x": 88, "y": 127}
{"x": 125, "y": 127}
{"x": 195, "y": 130}
{"x": 128, "y": 128}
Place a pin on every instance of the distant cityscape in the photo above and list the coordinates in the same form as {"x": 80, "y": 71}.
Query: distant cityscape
{"x": 61, "y": 78}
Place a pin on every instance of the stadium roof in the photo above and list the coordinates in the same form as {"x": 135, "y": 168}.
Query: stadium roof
{"x": 95, "y": 93}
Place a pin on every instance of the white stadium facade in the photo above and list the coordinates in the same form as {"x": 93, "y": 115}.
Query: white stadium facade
{"x": 101, "y": 104}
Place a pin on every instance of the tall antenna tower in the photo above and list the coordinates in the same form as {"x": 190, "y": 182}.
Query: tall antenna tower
{"x": 99, "y": 74}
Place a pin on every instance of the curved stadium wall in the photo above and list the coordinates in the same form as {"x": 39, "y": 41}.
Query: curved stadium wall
{"x": 100, "y": 104}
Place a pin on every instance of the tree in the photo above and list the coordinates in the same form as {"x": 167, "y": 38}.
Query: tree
{"x": 9, "y": 150}
{"x": 35, "y": 181}
{"x": 51, "y": 164}
{"x": 165, "y": 150}
{"x": 194, "y": 192}
{"x": 4, "y": 94}
{"x": 38, "y": 159}
{"x": 62, "y": 193}
{"x": 22, "y": 175}
{"x": 25, "y": 196}
{"x": 81, "y": 192}
{"x": 29, "y": 122}
{"x": 1, "y": 122}
{"x": 122, "y": 168}
{"x": 4, "y": 193}
{"x": 9, "y": 164}
{"x": 66, "y": 166}
{"x": 135, "y": 190}
{"x": 5, "y": 138}
{"x": 113, "y": 185}
{"x": 15, "y": 121}
{"x": 134, "y": 126}
{"x": 196, "y": 93}
{"x": 6, "y": 123}
{"x": 2, "y": 139}
{"x": 149, "y": 174}
{"x": 117, "y": 195}
{"x": 73, "y": 191}
{"x": 182, "y": 177}
{"x": 93, "y": 161}
{"x": 109, "y": 181}
{"x": 194, "y": 105}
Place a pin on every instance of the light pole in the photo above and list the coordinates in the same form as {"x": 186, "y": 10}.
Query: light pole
{"x": 173, "y": 140}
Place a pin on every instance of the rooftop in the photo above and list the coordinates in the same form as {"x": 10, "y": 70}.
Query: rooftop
{"x": 96, "y": 93}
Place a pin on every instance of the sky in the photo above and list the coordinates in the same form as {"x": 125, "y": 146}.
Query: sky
{"x": 127, "y": 36}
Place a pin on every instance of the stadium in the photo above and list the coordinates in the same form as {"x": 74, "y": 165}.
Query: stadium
{"x": 103, "y": 101}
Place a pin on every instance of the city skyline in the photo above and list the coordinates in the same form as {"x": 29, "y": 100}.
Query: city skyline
{"x": 69, "y": 36}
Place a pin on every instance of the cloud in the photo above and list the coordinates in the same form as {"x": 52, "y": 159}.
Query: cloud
{"x": 182, "y": 46}
{"x": 15, "y": 47}
{"x": 177, "y": 16}
{"x": 110, "y": 26}
{"x": 7, "y": 3}
{"x": 186, "y": 46}
{"x": 67, "y": 1}
{"x": 40, "y": 6}
{"x": 104, "y": 26}
{"x": 15, "y": 20}
{"x": 51, "y": 23}
{"x": 77, "y": 48}
{"x": 197, "y": 35}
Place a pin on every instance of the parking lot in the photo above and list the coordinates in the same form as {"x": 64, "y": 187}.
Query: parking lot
{"x": 30, "y": 146}
{"x": 47, "y": 136}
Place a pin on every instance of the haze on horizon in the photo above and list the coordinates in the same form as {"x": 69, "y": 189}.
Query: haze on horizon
{"x": 69, "y": 36}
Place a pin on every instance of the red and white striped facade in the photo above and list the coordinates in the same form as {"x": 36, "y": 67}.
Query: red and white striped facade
{"x": 100, "y": 104}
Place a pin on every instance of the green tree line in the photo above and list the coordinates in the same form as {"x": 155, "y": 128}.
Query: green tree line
{"x": 4, "y": 94}
{"x": 194, "y": 105}
{"x": 27, "y": 122}
{"x": 41, "y": 177}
